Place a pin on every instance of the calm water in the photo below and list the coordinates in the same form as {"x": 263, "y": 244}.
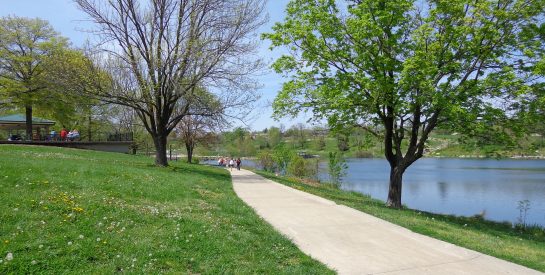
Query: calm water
{"x": 459, "y": 186}
{"x": 456, "y": 186}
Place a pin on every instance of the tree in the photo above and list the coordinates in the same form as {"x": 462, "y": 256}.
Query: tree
{"x": 282, "y": 156}
{"x": 158, "y": 52}
{"x": 274, "y": 136}
{"x": 300, "y": 134}
{"x": 75, "y": 77}
{"x": 343, "y": 140}
{"x": 319, "y": 134}
{"x": 195, "y": 129}
{"x": 406, "y": 65}
{"x": 26, "y": 45}
{"x": 532, "y": 41}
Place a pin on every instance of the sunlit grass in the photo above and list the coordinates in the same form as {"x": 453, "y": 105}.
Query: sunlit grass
{"x": 79, "y": 212}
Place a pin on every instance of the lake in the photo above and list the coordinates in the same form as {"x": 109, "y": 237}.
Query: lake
{"x": 459, "y": 186}
{"x": 456, "y": 186}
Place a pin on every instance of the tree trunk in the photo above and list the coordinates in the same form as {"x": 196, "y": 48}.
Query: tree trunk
{"x": 28, "y": 111}
{"x": 189, "y": 149}
{"x": 394, "y": 192}
{"x": 160, "y": 143}
{"x": 89, "y": 129}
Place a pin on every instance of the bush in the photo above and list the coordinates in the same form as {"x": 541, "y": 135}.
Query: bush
{"x": 195, "y": 160}
{"x": 320, "y": 144}
{"x": 266, "y": 161}
{"x": 342, "y": 143}
{"x": 282, "y": 156}
{"x": 363, "y": 154}
{"x": 313, "y": 168}
{"x": 297, "y": 167}
{"x": 337, "y": 166}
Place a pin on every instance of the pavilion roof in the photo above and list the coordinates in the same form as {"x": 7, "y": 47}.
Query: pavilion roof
{"x": 18, "y": 121}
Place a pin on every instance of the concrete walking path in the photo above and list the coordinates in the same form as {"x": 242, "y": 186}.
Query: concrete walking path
{"x": 353, "y": 242}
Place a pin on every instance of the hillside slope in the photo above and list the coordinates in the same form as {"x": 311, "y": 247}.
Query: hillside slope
{"x": 74, "y": 211}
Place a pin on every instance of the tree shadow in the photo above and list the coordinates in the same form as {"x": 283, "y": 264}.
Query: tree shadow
{"x": 207, "y": 171}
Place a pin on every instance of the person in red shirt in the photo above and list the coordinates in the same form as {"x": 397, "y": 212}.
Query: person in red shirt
{"x": 64, "y": 133}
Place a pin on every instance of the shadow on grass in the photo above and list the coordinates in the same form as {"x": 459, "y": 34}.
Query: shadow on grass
{"x": 210, "y": 172}
{"x": 203, "y": 170}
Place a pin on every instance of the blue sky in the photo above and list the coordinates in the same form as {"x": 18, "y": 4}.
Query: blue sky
{"x": 69, "y": 21}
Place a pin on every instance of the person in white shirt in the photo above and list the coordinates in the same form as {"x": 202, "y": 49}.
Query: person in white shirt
{"x": 231, "y": 164}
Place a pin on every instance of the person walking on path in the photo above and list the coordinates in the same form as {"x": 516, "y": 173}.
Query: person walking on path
{"x": 231, "y": 164}
{"x": 238, "y": 163}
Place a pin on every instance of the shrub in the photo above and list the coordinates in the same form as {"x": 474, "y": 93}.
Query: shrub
{"x": 266, "y": 161}
{"x": 313, "y": 168}
{"x": 320, "y": 144}
{"x": 297, "y": 167}
{"x": 342, "y": 143}
{"x": 282, "y": 156}
{"x": 363, "y": 154}
{"x": 337, "y": 166}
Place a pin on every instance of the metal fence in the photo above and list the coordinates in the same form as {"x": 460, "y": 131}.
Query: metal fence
{"x": 120, "y": 136}
{"x": 96, "y": 136}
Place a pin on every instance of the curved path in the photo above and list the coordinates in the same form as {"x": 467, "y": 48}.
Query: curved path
{"x": 353, "y": 242}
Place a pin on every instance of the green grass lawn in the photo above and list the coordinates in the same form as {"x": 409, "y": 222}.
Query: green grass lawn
{"x": 525, "y": 247}
{"x": 74, "y": 211}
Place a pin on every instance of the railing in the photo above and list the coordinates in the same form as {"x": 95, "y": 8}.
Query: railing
{"x": 97, "y": 136}
{"x": 120, "y": 137}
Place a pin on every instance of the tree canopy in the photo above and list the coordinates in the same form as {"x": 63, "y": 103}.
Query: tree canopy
{"x": 158, "y": 52}
{"x": 408, "y": 66}
{"x": 27, "y": 46}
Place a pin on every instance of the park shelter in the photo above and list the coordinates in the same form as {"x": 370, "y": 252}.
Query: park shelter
{"x": 17, "y": 122}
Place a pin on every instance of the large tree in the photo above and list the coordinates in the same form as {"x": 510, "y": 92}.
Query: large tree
{"x": 409, "y": 66}
{"x": 26, "y": 47}
{"x": 158, "y": 51}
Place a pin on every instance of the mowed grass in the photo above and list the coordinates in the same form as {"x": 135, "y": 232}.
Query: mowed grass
{"x": 68, "y": 211}
{"x": 525, "y": 247}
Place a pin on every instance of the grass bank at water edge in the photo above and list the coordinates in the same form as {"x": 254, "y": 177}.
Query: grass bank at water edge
{"x": 68, "y": 211}
{"x": 524, "y": 247}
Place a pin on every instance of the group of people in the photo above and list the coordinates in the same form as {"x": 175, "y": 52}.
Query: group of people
{"x": 65, "y": 135}
{"x": 229, "y": 162}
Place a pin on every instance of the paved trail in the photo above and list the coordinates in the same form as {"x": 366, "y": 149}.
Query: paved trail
{"x": 353, "y": 242}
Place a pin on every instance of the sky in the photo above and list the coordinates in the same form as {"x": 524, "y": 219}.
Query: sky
{"x": 70, "y": 22}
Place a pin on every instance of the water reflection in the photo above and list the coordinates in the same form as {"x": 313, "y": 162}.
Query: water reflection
{"x": 443, "y": 191}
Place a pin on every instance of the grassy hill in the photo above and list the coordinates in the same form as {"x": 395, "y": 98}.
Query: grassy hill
{"x": 75, "y": 211}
